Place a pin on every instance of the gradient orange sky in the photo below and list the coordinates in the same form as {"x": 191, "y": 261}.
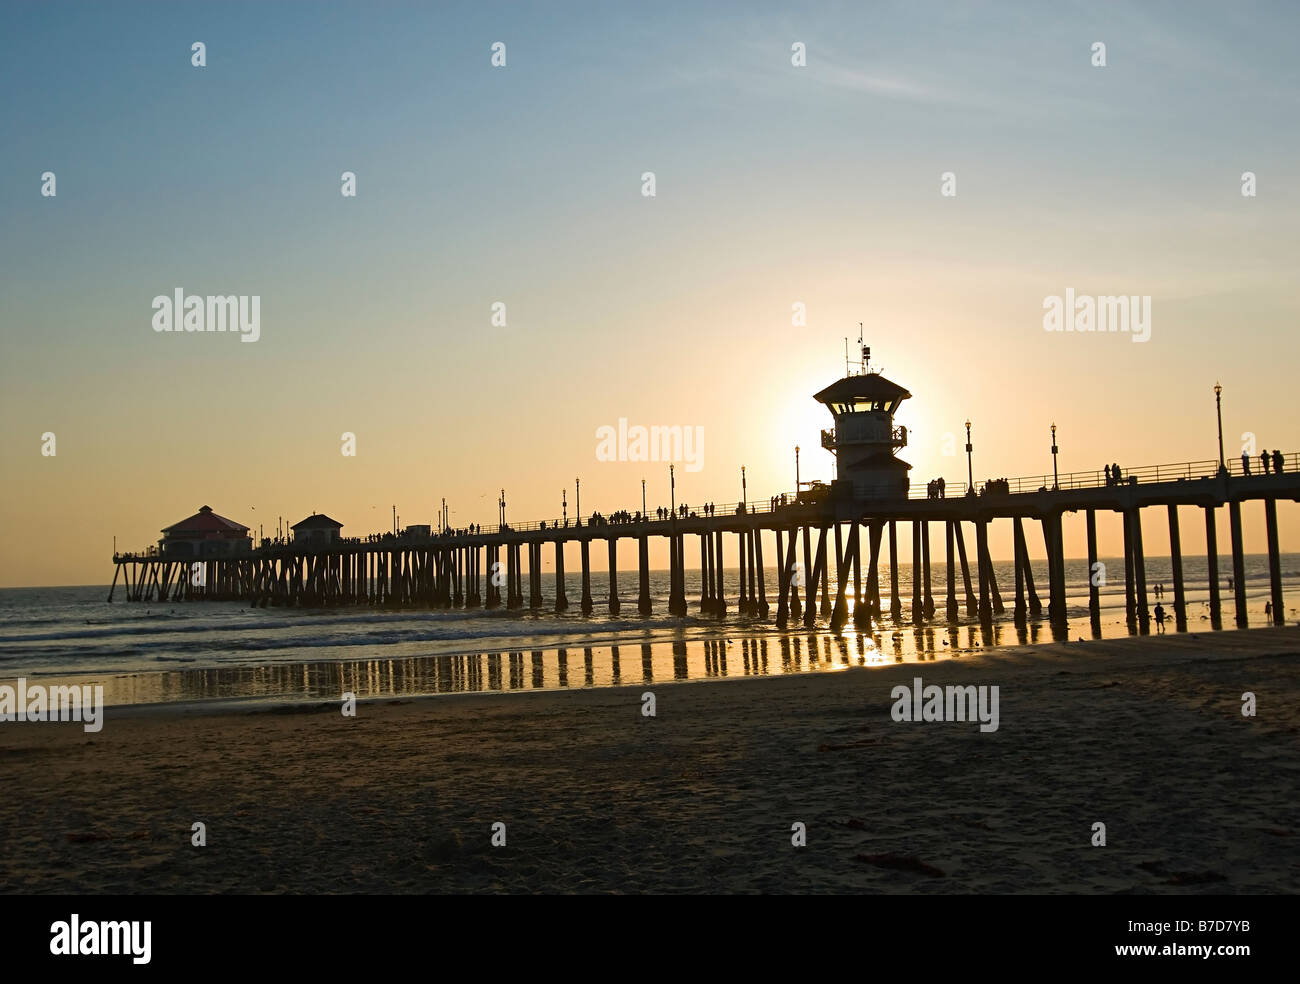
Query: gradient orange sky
{"x": 776, "y": 185}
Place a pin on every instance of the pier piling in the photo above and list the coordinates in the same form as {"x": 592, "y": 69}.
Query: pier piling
{"x": 1274, "y": 562}
{"x": 1212, "y": 565}
{"x": 1238, "y": 564}
{"x": 1176, "y": 566}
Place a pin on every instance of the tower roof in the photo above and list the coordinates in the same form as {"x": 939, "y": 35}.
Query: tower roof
{"x": 868, "y": 387}
{"x": 205, "y": 521}
{"x": 317, "y": 521}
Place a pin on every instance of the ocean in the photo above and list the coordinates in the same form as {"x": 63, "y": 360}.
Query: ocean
{"x": 205, "y": 652}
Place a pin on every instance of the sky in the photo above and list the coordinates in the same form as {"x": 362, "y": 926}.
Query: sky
{"x": 775, "y": 185}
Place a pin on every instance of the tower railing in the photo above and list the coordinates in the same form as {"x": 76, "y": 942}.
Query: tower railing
{"x": 897, "y": 438}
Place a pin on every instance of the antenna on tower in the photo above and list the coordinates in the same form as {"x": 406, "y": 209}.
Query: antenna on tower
{"x": 863, "y": 350}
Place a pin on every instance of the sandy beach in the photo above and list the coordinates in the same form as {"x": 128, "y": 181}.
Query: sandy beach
{"x": 1145, "y": 735}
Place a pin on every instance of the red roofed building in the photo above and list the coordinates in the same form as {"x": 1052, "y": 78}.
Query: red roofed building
{"x": 205, "y": 534}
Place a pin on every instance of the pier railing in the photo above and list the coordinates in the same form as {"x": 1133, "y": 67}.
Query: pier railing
{"x": 1144, "y": 474}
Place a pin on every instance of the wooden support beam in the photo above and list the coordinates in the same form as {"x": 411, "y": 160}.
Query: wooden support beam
{"x": 809, "y": 581}
{"x": 895, "y": 609}
{"x": 972, "y": 606}
{"x": 706, "y": 574}
{"x": 818, "y": 572}
{"x": 561, "y": 599}
{"x": 951, "y": 562}
{"x": 1095, "y": 573}
{"x": 1056, "y": 576}
{"x": 861, "y": 610}
{"x": 1212, "y": 565}
{"x": 643, "y": 570}
{"x": 874, "y": 535}
{"x": 797, "y": 576}
{"x": 926, "y": 569}
{"x": 1130, "y": 593}
{"x": 514, "y": 583}
{"x": 494, "y": 577}
{"x": 1274, "y": 563}
{"x": 1176, "y": 565}
{"x": 614, "y": 606}
{"x": 981, "y": 550}
{"x": 782, "y": 582}
{"x": 742, "y": 600}
{"x": 822, "y": 547}
{"x": 720, "y": 598}
{"x": 1017, "y": 549}
{"x": 755, "y": 572}
{"x": 994, "y": 593}
{"x": 677, "y": 601}
{"x": 587, "y": 603}
{"x": 918, "y": 596}
{"x": 840, "y": 612}
{"x": 1139, "y": 569}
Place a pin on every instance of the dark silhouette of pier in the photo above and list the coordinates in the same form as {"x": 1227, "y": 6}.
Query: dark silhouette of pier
{"x": 807, "y": 535}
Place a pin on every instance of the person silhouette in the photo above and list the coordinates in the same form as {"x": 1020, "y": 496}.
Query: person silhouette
{"x": 1108, "y": 474}
{"x": 1277, "y": 462}
{"x": 1245, "y": 463}
{"x": 1160, "y": 618}
{"x": 1263, "y": 461}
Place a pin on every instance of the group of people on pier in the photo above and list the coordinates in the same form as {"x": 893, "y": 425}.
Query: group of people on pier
{"x": 1264, "y": 458}
{"x": 620, "y": 518}
{"x": 1113, "y": 475}
{"x": 473, "y": 529}
{"x": 936, "y": 489}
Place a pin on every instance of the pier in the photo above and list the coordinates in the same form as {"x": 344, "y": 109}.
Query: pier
{"x": 805, "y": 535}
{"x": 800, "y": 538}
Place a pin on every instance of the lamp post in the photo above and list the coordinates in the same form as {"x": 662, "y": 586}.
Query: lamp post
{"x": 970, "y": 468}
{"x": 644, "y": 514}
{"x": 1056, "y": 481}
{"x": 672, "y": 491}
{"x": 564, "y": 506}
{"x": 577, "y": 501}
{"x": 796, "y": 472}
{"x": 744, "y": 490}
{"x": 502, "y": 503}
{"x": 1218, "y": 410}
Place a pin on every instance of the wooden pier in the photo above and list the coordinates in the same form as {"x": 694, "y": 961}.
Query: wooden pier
{"x": 801, "y": 539}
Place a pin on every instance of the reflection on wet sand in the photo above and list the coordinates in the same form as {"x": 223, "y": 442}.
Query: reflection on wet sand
{"x": 549, "y": 669}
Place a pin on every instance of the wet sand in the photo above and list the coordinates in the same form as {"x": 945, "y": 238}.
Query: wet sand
{"x": 1144, "y": 734}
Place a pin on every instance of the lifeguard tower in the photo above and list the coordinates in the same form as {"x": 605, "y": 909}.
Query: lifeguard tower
{"x": 864, "y": 439}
